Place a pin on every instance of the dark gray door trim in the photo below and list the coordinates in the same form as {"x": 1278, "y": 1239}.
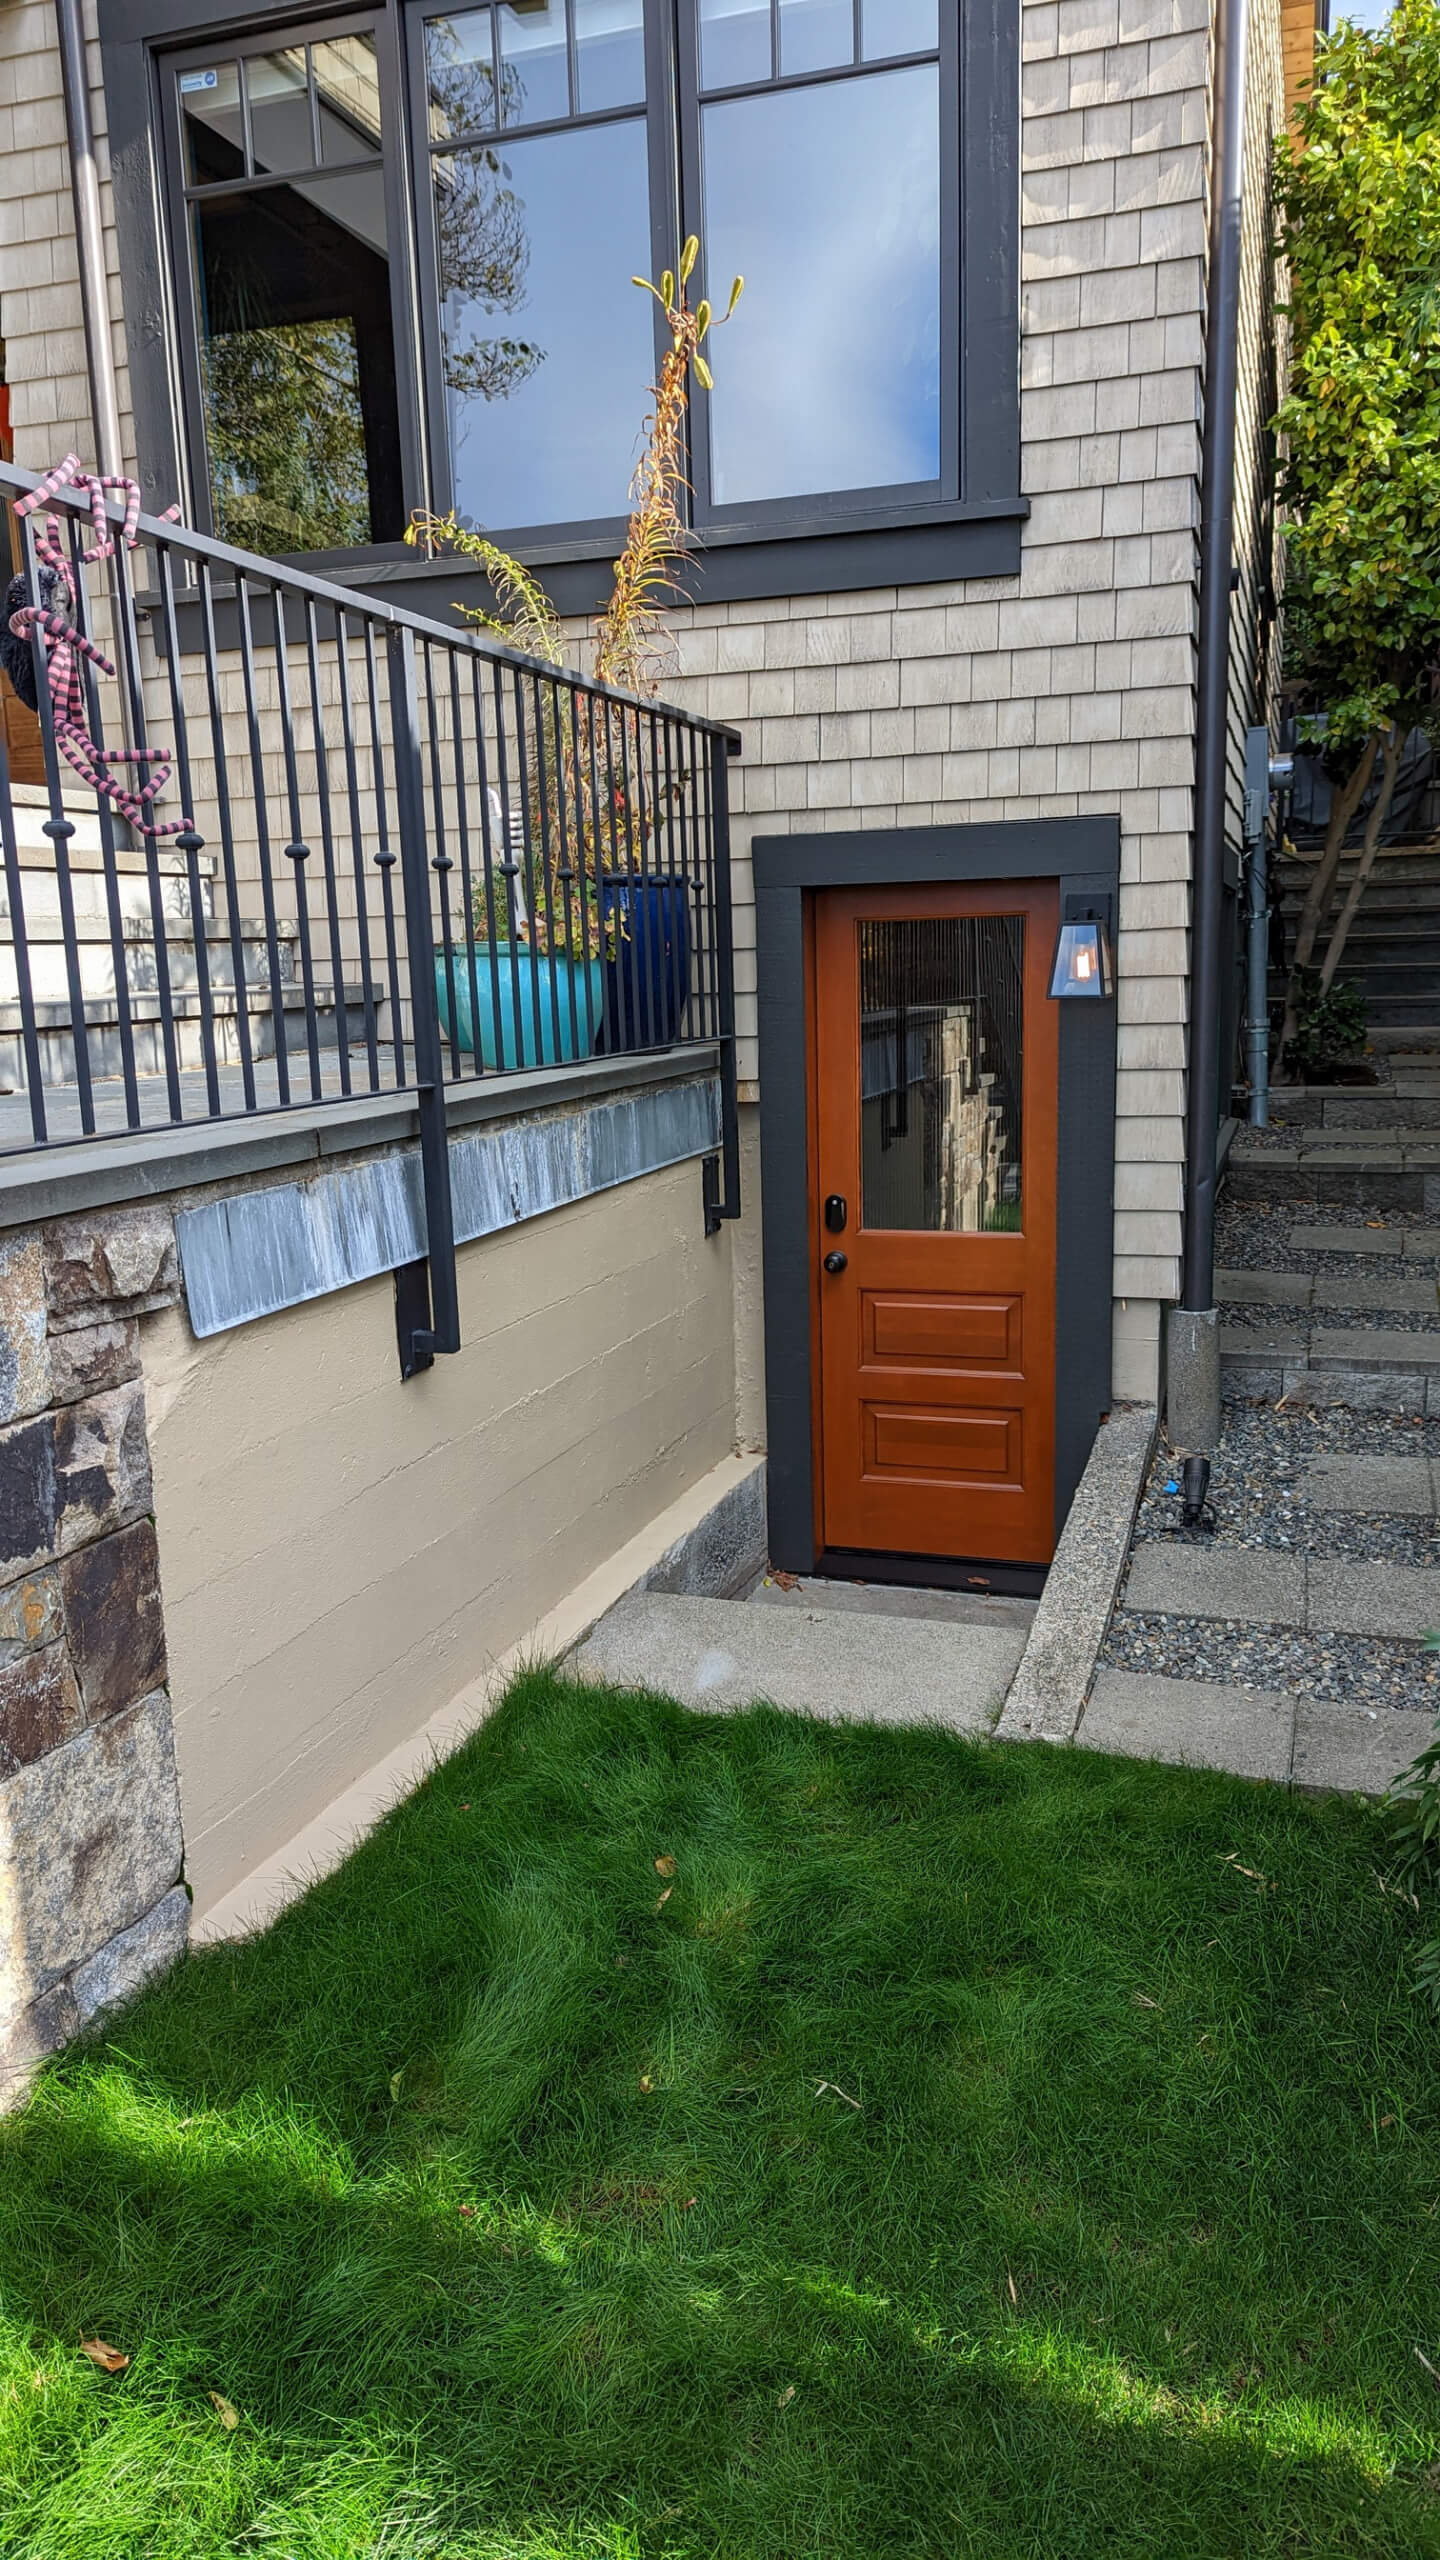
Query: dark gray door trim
{"x": 1083, "y": 855}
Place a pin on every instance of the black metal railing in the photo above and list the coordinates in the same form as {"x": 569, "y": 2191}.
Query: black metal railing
{"x": 342, "y": 851}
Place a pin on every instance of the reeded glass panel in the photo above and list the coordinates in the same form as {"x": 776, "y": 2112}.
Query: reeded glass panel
{"x": 460, "y": 73}
{"x": 833, "y": 380}
{"x": 889, "y": 27}
{"x": 297, "y": 365}
{"x": 534, "y": 62}
{"x": 610, "y": 54}
{"x": 280, "y": 131}
{"x": 816, "y": 35}
{"x": 347, "y": 94}
{"x": 211, "y": 123}
{"x": 734, "y": 43}
{"x": 941, "y": 1007}
{"x": 548, "y": 353}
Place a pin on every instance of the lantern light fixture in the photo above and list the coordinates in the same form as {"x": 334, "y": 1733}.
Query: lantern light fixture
{"x": 1084, "y": 966}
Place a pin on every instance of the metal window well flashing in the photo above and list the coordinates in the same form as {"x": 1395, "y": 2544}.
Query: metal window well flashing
{"x": 259, "y": 1251}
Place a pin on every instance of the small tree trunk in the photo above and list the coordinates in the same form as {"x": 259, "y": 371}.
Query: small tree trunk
{"x": 1321, "y": 891}
{"x": 1394, "y": 741}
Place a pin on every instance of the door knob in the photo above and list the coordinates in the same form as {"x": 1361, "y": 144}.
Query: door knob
{"x": 836, "y": 1262}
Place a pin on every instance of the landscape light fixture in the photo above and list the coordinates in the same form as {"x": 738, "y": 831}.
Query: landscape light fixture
{"x": 1083, "y": 965}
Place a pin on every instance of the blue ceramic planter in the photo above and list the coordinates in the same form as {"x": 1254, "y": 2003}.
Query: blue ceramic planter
{"x": 647, "y": 970}
{"x": 543, "y": 1018}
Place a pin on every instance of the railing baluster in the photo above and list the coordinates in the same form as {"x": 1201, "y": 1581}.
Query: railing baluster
{"x": 327, "y": 845}
{"x": 129, "y": 653}
{"x": 357, "y": 853}
{"x": 462, "y": 823}
{"x": 262, "y": 832}
{"x": 60, "y": 828}
{"x": 385, "y": 858}
{"x": 509, "y": 869}
{"x": 543, "y": 760}
{"x": 440, "y": 862}
{"x": 189, "y": 842}
{"x": 487, "y": 858}
{"x": 234, "y": 919}
{"x": 297, "y": 851}
{"x": 114, "y": 912}
{"x": 19, "y": 941}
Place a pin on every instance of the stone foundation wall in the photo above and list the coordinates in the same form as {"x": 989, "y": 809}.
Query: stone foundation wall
{"x": 91, "y": 1898}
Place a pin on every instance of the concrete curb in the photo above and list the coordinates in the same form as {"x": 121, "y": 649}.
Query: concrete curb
{"x": 1047, "y": 1695}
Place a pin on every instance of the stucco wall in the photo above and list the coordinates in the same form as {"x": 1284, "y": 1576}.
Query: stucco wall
{"x": 341, "y": 1554}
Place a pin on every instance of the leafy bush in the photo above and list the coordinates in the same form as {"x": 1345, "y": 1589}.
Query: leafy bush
{"x": 1330, "y": 1026}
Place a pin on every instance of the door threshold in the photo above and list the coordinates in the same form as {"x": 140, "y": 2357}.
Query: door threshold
{"x": 933, "y": 1573}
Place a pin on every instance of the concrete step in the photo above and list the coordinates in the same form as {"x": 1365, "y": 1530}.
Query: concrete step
{"x": 891, "y": 1600}
{"x": 1411, "y": 1103}
{"x": 842, "y": 1664}
{"x": 1368, "y": 1244}
{"x": 1257, "y": 1733}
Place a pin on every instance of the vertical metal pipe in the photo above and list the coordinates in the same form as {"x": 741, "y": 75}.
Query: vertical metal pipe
{"x": 89, "y": 238}
{"x": 1217, "y": 511}
{"x": 1258, "y": 963}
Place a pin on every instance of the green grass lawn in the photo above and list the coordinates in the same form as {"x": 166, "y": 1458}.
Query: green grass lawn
{"x": 967, "y": 2150}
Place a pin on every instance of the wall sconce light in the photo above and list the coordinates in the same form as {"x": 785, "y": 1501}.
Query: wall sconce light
{"x": 1083, "y": 963}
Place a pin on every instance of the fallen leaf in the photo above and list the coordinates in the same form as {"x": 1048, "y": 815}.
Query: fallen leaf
{"x": 1010, "y": 2289}
{"x": 689, "y": 2201}
{"x": 468, "y": 2212}
{"x": 1384, "y": 2121}
{"x": 109, "y": 2359}
{"x": 228, "y": 2415}
{"x": 787, "y": 1581}
{"x": 396, "y": 2078}
{"x": 664, "y": 1898}
{"x": 646, "y": 2084}
{"x": 786, "y": 2396}
{"x": 837, "y": 2092}
{"x": 1143, "y": 2000}
{"x": 665, "y": 1866}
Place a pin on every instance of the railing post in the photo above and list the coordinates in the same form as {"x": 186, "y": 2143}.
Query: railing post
{"x": 718, "y": 1206}
{"x": 420, "y": 1341}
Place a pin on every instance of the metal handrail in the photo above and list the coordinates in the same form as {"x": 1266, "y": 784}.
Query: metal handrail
{"x": 381, "y": 855}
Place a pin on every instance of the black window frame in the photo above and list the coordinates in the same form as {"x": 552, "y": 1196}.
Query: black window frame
{"x": 970, "y": 527}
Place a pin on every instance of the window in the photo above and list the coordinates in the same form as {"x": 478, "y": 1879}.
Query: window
{"x": 402, "y": 243}
{"x": 540, "y": 197}
{"x": 292, "y": 352}
{"x": 818, "y": 126}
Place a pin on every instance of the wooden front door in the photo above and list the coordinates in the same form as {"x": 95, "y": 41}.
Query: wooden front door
{"x": 936, "y": 1053}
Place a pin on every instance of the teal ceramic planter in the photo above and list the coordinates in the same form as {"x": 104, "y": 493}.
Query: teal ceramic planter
{"x": 542, "y": 1019}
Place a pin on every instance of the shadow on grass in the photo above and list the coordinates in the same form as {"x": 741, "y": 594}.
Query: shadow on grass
{"x": 966, "y": 2151}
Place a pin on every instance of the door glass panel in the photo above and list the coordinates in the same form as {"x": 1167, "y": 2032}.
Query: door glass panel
{"x": 347, "y": 97}
{"x": 534, "y": 61}
{"x": 460, "y": 73}
{"x": 212, "y": 124}
{"x": 941, "y": 1007}
{"x": 899, "y": 26}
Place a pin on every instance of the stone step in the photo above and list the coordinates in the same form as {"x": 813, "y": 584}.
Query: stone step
{"x": 1330, "y": 1110}
{"x": 90, "y": 892}
{"x": 1410, "y": 1244}
{"x": 1392, "y": 1169}
{"x": 1367, "y": 1290}
{"x": 1257, "y": 1733}
{"x": 1363, "y": 1367}
{"x": 1261, "y": 1587}
{"x": 841, "y": 1664}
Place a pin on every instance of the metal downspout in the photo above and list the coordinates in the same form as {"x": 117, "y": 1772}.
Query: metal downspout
{"x": 1217, "y": 511}
{"x": 89, "y": 238}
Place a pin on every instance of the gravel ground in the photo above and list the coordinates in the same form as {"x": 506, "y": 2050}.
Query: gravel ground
{"x": 1257, "y": 1485}
{"x": 1341, "y": 1319}
{"x": 1253, "y": 1235}
{"x": 1360, "y": 1671}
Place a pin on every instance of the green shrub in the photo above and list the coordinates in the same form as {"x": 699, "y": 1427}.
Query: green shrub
{"x": 1330, "y": 1027}
{"x": 1414, "y": 1807}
